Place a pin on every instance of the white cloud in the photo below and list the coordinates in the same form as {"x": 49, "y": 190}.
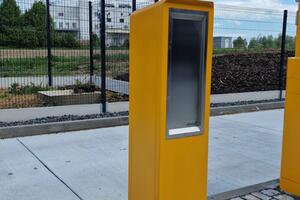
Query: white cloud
{"x": 265, "y": 4}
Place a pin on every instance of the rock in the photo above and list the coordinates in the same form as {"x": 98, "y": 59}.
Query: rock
{"x": 270, "y": 192}
{"x": 250, "y": 197}
{"x": 284, "y": 197}
{"x": 261, "y": 196}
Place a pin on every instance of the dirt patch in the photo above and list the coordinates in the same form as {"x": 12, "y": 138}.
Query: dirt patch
{"x": 247, "y": 72}
{"x": 20, "y": 101}
{"x": 116, "y": 97}
{"x": 243, "y": 72}
{"x": 8, "y": 100}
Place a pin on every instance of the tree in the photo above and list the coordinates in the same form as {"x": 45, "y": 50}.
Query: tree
{"x": 254, "y": 44}
{"x": 35, "y": 19}
{"x": 290, "y": 42}
{"x": 36, "y": 16}
{"x": 267, "y": 42}
{"x": 67, "y": 40}
{"x": 240, "y": 43}
{"x": 9, "y": 15}
{"x": 29, "y": 29}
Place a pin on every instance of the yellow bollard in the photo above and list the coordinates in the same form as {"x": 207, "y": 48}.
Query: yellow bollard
{"x": 290, "y": 167}
{"x": 170, "y": 73}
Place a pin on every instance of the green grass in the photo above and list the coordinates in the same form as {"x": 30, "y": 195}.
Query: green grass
{"x": 19, "y": 67}
{"x": 38, "y": 66}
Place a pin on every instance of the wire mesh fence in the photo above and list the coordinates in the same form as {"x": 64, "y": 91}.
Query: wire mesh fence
{"x": 253, "y": 37}
{"x": 79, "y": 54}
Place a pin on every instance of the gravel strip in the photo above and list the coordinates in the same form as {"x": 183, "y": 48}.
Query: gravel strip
{"x": 242, "y": 103}
{"x": 63, "y": 119}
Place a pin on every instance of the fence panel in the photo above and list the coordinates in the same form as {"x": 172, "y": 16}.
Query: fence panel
{"x": 23, "y": 54}
{"x": 247, "y": 44}
{"x": 247, "y": 48}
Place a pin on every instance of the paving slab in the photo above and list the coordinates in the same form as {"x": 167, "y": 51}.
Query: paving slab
{"x": 93, "y": 163}
{"x": 270, "y": 120}
{"x": 22, "y": 177}
{"x": 244, "y": 149}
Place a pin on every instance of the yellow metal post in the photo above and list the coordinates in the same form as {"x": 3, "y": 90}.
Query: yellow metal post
{"x": 298, "y": 34}
{"x": 290, "y": 167}
{"x": 170, "y": 77}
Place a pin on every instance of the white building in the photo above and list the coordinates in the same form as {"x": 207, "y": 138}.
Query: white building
{"x": 117, "y": 15}
{"x": 222, "y": 42}
{"x": 75, "y": 19}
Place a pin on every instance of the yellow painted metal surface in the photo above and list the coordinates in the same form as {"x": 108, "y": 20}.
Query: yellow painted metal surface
{"x": 290, "y": 167}
{"x": 298, "y": 35}
{"x": 162, "y": 169}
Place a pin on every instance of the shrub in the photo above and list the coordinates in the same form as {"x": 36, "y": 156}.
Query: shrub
{"x": 67, "y": 40}
{"x": 17, "y": 89}
{"x": 96, "y": 40}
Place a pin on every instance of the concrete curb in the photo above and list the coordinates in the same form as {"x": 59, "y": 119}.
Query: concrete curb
{"x": 244, "y": 191}
{"x": 40, "y": 129}
{"x": 227, "y": 110}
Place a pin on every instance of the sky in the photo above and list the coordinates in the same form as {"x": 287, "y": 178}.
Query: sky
{"x": 267, "y": 4}
{"x": 253, "y": 18}
{"x": 246, "y": 18}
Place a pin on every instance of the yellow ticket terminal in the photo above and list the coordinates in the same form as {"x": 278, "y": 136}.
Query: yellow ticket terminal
{"x": 170, "y": 74}
{"x": 290, "y": 167}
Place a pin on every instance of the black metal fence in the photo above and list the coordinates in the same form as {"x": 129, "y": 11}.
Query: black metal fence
{"x": 77, "y": 52}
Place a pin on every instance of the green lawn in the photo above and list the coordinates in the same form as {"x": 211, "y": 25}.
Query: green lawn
{"x": 37, "y": 66}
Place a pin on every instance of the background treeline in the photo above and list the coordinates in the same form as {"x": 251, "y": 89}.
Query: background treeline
{"x": 264, "y": 42}
{"x": 28, "y": 30}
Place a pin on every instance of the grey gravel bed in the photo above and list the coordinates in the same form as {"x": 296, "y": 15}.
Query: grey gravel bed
{"x": 242, "y": 103}
{"x": 64, "y": 118}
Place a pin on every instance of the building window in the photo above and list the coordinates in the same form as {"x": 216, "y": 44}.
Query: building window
{"x": 109, "y": 5}
{"x": 124, "y": 6}
{"x": 108, "y": 19}
{"x": 122, "y": 20}
{"x": 60, "y": 14}
{"x": 61, "y": 25}
{"x": 67, "y": 25}
{"x": 74, "y": 25}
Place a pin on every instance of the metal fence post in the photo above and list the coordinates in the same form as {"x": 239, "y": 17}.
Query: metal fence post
{"x": 133, "y": 5}
{"x": 103, "y": 57}
{"x": 91, "y": 42}
{"x": 48, "y": 28}
{"x": 282, "y": 55}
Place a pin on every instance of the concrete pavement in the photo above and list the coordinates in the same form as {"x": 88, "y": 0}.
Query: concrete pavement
{"x": 23, "y": 114}
{"x": 245, "y": 149}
